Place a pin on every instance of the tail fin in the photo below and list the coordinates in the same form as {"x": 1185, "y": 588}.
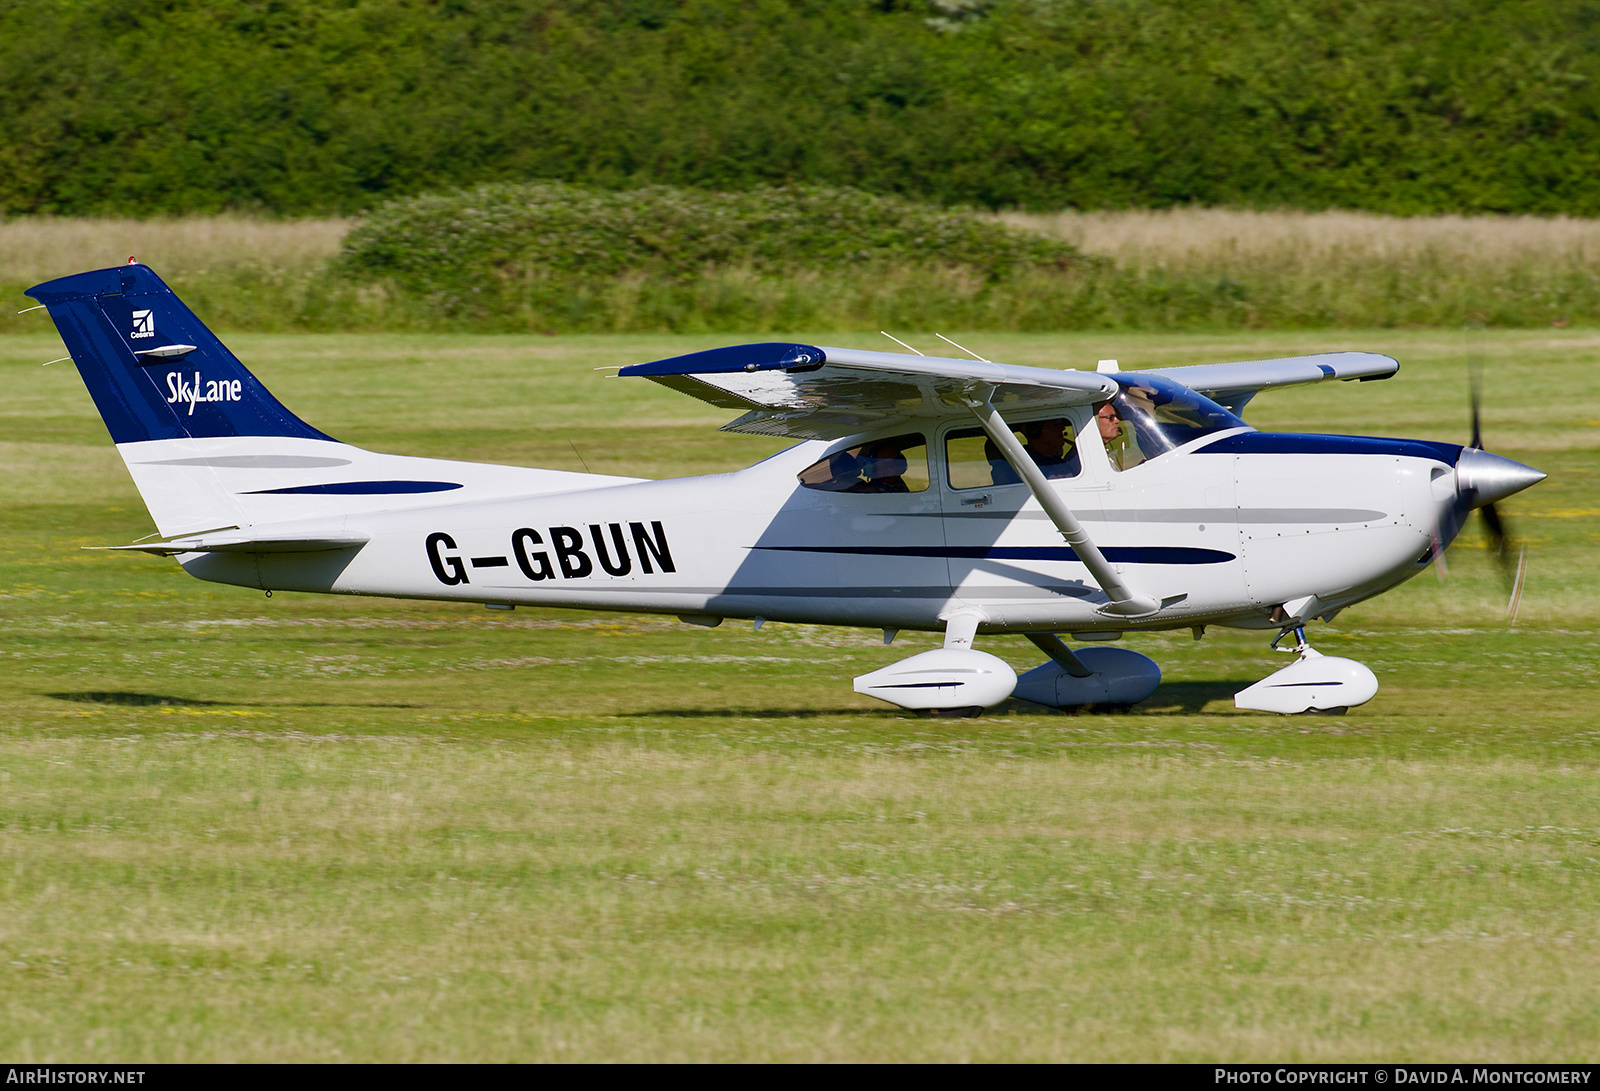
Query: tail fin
{"x": 152, "y": 368}
{"x": 209, "y": 448}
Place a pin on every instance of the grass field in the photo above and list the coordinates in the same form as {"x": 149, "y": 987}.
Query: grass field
{"x": 235, "y": 828}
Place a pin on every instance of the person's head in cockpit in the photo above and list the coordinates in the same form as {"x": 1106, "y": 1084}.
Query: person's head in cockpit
{"x": 1047, "y": 441}
{"x": 1109, "y": 421}
{"x": 883, "y": 464}
{"x": 1050, "y": 445}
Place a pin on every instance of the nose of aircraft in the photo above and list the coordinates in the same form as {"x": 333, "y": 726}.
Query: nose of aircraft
{"x": 1483, "y": 478}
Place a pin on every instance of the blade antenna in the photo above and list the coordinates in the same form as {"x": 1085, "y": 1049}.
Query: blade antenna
{"x": 963, "y": 348}
{"x": 899, "y": 342}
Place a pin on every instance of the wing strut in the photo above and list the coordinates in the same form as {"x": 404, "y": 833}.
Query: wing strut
{"x": 1050, "y": 644}
{"x": 1124, "y": 601}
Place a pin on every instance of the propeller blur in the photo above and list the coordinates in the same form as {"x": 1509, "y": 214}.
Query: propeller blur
{"x": 958, "y": 496}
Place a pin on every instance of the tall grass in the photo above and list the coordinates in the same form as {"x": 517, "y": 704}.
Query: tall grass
{"x": 238, "y": 272}
{"x": 39, "y": 248}
{"x": 1199, "y": 240}
{"x": 1307, "y": 269}
{"x": 1186, "y": 269}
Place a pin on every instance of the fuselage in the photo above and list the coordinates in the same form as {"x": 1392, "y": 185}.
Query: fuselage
{"x": 1223, "y": 530}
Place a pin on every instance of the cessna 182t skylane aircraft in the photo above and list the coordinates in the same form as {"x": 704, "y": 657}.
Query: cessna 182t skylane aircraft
{"x": 926, "y": 493}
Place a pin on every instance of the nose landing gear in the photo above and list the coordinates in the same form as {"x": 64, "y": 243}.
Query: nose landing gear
{"x": 1312, "y": 683}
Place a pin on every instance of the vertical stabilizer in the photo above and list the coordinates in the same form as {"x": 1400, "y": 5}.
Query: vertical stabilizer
{"x": 153, "y": 369}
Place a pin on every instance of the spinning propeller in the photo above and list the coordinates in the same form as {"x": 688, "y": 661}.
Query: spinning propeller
{"x": 1483, "y": 479}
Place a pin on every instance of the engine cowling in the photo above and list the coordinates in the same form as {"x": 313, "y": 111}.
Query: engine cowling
{"x": 943, "y": 679}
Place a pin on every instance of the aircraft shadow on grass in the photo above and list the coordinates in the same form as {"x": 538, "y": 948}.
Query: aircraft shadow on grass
{"x": 745, "y": 713}
{"x": 162, "y": 700}
{"x": 1172, "y": 699}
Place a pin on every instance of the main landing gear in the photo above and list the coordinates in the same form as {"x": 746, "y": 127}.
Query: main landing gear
{"x": 958, "y": 680}
{"x": 1312, "y": 683}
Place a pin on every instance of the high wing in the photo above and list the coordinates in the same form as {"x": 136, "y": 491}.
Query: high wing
{"x": 810, "y": 392}
{"x": 1233, "y": 385}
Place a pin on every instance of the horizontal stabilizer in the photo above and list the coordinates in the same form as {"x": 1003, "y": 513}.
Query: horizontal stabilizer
{"x": 235, "y": 544}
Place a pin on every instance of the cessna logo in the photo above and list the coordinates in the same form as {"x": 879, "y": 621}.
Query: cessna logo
{"x": 182, "y": 391}
{"x": 563, "y": 554}
{"x": 144, "y": 324}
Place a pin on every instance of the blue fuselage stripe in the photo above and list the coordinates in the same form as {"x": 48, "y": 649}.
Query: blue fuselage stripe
{"x": 1298, "y": 443}
{"x": 360, "y": 488}
{"x": 1114, "y": 554}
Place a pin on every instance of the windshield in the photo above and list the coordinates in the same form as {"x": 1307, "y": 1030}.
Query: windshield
{"x": 1151, "y": 415}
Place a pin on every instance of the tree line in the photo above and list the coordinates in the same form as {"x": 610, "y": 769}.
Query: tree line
{"x": 291, "y": 107}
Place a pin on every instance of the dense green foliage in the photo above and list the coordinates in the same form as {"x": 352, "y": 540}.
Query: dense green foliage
{"x": 139, "y": 106}
{"x": 480, "y": 250}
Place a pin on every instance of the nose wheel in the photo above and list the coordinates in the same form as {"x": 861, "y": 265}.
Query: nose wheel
{"x": 1312, "y": 683}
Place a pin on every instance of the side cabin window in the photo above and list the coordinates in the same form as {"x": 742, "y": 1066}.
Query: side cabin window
{"x": 896, "y": 464}
{"x": 1151, "y": 415}
{"x": 974, "y": 462}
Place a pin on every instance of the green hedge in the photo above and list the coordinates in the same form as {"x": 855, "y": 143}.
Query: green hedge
{"x": 129, "y": 107}
{"x": 487, "y": 249}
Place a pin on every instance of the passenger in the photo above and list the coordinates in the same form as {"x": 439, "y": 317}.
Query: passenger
{"x": 1001, "y": 472}
{"x": 1047, "y": 446}
{"x": 839, "y": 472}
{"x": 883, "y": 463}
{"x": 844, "y": 472}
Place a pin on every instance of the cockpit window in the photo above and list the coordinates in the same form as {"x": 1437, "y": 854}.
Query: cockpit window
{"x": 974, "y": 462}
{"x": 1151, "y": 415}
{"x": 896, "y": 464}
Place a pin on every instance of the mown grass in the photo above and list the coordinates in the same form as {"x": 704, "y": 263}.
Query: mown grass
{"x": 1181, "y": 270}
{"x": 306, "y": 828}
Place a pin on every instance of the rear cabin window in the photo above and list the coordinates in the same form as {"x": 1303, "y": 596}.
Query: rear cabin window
{"x": 974, "y": 462}
{"x": 896, "y": 464}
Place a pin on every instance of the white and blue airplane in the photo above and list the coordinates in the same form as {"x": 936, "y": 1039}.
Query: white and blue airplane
{"x": 924, "y": 493}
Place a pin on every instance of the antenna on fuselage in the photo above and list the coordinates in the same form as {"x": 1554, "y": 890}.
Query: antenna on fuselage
{"x": 899, "y": 342}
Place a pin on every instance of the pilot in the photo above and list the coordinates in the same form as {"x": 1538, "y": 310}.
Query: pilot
{"x": 1121, "y": 446}
{"x": 1047, "y": 446}
{"x": 883, "y": 463}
